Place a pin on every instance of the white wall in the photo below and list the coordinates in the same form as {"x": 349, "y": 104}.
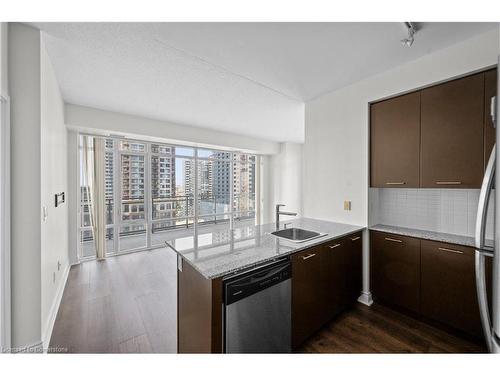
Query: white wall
{"x": 283, "y": 176}
{"x": 54, "y": 179}
{"x": 24, "y": 90}
{"x": 38, "y": 171}
{"x": 3, "y": 58}
{"x": 4, "y": 195}
{"x": 104, "y": 122}
{"x": 335, "y": 153}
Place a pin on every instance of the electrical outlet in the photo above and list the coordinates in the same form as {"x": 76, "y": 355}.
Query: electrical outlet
{"x": 347, "y": 205}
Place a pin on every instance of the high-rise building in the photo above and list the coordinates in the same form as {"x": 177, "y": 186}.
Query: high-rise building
{"x": 205, "y": 183}
{"x": 236, "y": 174}
{"x": 133, "y": 178}
{"x": 222, "y": 181}
{"x": 243, "y": 184}
{"x": 108, "y": 178}
{"x": 163, "y": 181}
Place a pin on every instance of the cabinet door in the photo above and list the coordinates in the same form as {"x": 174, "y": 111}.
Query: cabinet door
{"x": 307, "y": 302}
{"x": 333, "y": 276}
{"x": 354, "y": 268}
{"x": 395, "y": 142}
{"x": 490, "y": 90}
{"x": 448, "y": 286}
{"x": 395, "y": 269}
{"x": 452, "y": 134}
{"x": 341, "y": 273}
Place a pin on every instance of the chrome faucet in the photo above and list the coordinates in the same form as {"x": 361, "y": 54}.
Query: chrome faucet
{"x": 278, "y": 213}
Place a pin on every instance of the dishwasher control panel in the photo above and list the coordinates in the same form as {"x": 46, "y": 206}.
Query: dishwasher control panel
{"x": 252, "y": 282}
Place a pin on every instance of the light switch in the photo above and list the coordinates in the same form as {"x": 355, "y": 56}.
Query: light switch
{"x": 347, "y": 205}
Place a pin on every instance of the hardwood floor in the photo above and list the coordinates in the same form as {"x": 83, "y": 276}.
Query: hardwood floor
{"x": 128, "y": 304}
{"x": 378, "y": 329}
{"x": 125, "y": 304}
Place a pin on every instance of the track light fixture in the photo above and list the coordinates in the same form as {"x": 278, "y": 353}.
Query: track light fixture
{"x": 411, "y": 28}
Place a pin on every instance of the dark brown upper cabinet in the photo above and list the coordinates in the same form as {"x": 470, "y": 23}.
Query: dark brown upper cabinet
{"x": 452, "y": 121}
{"x": 438, "y": 137}
{"x": 490, "y": 90}
{"x": 395, "y": 142}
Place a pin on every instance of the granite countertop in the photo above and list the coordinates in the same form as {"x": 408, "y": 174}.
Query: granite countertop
{"x": 427, "y": 235}
{"x": 216, "y": 251}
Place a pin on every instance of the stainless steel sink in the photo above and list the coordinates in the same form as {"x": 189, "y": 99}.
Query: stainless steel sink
{"x": 297, "y": 234}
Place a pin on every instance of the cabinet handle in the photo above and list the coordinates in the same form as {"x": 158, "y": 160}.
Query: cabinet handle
{"x": 355, "y": 238}
{"x": 393, "y": 240}
{"x": 396, "y": 183}
{"x": 305, "y": 257}
{"x": 334, "y": 246}
{"x": 450, "y": 250}
{"x": 448, "y": 182}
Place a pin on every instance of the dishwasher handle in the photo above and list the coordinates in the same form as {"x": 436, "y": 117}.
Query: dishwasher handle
{"x": 237, "y": 289}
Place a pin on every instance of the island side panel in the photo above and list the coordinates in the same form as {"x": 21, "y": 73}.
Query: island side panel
{"x": 217, "y": 318}
{"x": 199, "y": 312}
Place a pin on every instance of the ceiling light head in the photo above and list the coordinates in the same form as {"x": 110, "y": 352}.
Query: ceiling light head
{"x": 411, "y": 28}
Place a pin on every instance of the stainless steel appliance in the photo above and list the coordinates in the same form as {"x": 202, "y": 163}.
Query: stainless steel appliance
{"x": 491, "y": 322}
{"x": 257, "y": 310}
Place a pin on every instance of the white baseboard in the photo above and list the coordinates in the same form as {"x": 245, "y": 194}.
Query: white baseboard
{"x": 47, "y": 332}
{"x": 365, "y": 298}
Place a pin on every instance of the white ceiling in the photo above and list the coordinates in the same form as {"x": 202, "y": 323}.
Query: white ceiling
{"x": 245, "y": 78}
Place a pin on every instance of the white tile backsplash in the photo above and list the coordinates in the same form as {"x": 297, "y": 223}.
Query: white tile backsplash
{"x": 439, "y": 210}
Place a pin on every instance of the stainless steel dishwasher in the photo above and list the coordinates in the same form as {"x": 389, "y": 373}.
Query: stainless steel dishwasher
{"x": 257, "y": 310}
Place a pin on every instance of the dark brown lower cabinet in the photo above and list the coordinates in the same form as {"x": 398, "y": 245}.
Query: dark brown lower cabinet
{"x": 395, "y": 270}
{"x": 325, "y": 280}
{"x": 434, "y": 279}
{"x": 333, "y": 272}
{"x": 354, "y": 267}
{"x": 307, "y": 294}
{"x": 448, "y": 289}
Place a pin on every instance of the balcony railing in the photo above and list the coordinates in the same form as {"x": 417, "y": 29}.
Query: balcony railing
{"x": 181, "y": 204}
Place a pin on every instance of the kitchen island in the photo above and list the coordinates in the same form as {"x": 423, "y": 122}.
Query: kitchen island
{"x": 216, "y": 253}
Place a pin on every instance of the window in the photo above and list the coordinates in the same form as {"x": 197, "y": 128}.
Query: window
{"x": 154, "y": 190}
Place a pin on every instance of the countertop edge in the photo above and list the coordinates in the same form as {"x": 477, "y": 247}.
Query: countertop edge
{"x": 319, "y": 241}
